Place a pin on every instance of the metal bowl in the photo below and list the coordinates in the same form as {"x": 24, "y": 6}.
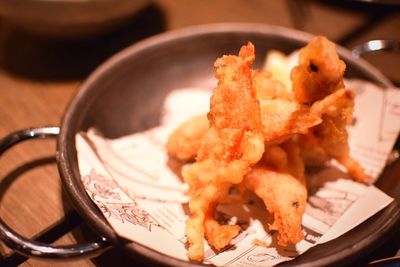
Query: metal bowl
{"x": 124, "y": 96}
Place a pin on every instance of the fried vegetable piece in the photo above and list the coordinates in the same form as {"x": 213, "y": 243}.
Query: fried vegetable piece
{"x": 278, "y": 64}
{"x": 337, "y": 105}
{"x": 331, "y": 135}
{"x": 281, "y": 115}
{"x": 267, "y": 87}
{"x": 282, "y": 118}
{"x": 279, "y": 181}
{"x": 217, "y": 235}
{"x": 185, "y": 140}
{"x": 319, "y": 72}
{"x": 315, "y": 114}
{"x": 318, "y": 76}
{"x": 232, "y": 145}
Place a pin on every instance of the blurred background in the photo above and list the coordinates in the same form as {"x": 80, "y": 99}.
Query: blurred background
{"x": 48, "y": 47}
{"x": 66, "y": 39}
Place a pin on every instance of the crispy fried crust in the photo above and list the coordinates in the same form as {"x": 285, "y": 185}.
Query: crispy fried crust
{"x": 319, "y": 72}
{"x": 233, "y": 143}
{"x": 318, "y": 81}
{"x": 250, "y": 110}
{"x": 279, "y": 181}
{"x": 185, "y": 140}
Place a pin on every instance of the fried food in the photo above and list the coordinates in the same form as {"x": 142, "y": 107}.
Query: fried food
{"x": 267, "y": 87}
{"x": 319, "y": 72}
{"x": 279, "y": 181}
{"x": 279, "y": 65}
{"x": 282, "y": 118}
{"x": 217, "y": 235}
{"x": 314, "y": 147}
{"x": 331, "y": 135}
{"x": 316, "y": 80}
{"x": 231, "y": 146}
{"x": 185, "y": 140}
{"x": 281, "y": 115}
{"x": 259, "y": 134}
{"x": 270, "y": 185}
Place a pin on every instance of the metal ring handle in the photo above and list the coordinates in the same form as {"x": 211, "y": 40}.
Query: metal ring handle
{"x": 374, "y": 46}
{"x": 31, "y": 248}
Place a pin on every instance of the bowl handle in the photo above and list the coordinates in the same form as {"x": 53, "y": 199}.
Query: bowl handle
{"x": 374, "y": 46}
{"x": 32, "y": 248}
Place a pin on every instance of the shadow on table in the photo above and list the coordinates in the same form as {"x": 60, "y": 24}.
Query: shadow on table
{"x": 71, "y": 222}
{"x": 53, "y": 231}
{"x": 45, "y": 59}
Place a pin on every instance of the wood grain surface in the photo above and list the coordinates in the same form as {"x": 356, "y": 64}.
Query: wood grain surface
{"x": 40, "y": 75}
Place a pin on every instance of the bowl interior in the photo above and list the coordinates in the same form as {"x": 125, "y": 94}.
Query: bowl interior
{"x": 125, "y": 95}
{"x": 129, "y": 94}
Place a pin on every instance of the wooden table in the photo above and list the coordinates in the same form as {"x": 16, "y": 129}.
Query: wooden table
{"x": 39, "y": 76}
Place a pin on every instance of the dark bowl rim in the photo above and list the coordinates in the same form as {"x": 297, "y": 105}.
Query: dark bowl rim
{"x": 66, "y": 152}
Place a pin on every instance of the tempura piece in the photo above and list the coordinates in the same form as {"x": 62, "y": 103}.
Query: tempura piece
{"x": 282, "y": 118}
{"x": 319, "y": 76}
{"x": 331, "y": 135}
{"x": 281, "y": 115}
{"x": 250, "y": 109}
{"x": 267, "y": 87}
{"x": 339, "y": 104}
{"x": 279, "y": 181}
{"x": 185, "y": 140}
{"x": 217, "y": 235}
{"x": 285, "y": 198}
{"x": 319, "y": 72}
{"x": 279, "y": 65}
{"x": 232, "y": 145}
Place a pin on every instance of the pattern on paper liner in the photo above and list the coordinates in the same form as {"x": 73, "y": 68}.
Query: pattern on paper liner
{"x": 257, "y": 256}
{"x": 106, "y": 194}
{"x": 120, "y": 203}
{"x": 326, "y": 203}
